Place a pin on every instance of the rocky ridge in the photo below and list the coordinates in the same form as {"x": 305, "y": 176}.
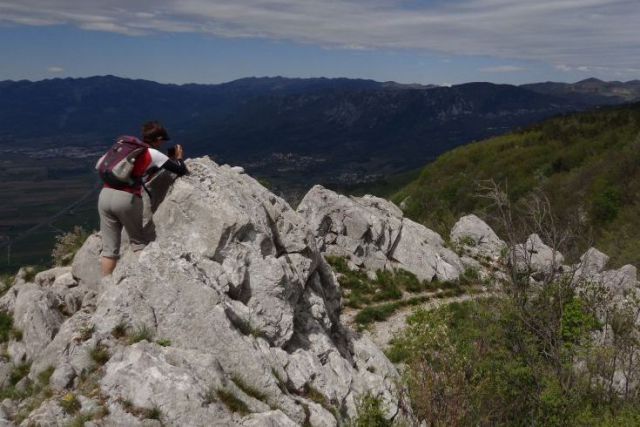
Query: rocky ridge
{"x": 232, "y": 313}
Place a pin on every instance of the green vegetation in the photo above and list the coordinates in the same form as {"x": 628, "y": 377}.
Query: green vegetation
{"x": 381, "y": 297}
{"x": 497, "y": 362}
{"x": 6, "y": 326}
{"x": 45, "y": 375}
{"x": 141, "y": 333}
{"x": 99, "y": 354}
{"x": 120, "y": 330}
{"x": 370, "y": 413}
{"x": 153, "y": 413}
{"x": 69, "y": 403}
{"x": 359, "y": 290}
{"x": 232, "y": 402}
{"x": 163, "y": 342}
{"x": 248, "y": 390}
{"x": 67, "y": 244}
{"x": 86, "y": 332}
{"x": 588, "y": 164}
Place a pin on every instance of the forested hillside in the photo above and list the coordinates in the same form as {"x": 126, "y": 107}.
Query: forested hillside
{"x": 587, "y": 164}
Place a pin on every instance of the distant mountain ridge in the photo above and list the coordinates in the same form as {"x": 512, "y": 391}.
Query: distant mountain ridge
{"x": 345, "y": 127}
{"x": 591, "y": 90}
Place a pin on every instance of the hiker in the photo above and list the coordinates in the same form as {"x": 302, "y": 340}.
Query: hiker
{"x": 124, "y": 170}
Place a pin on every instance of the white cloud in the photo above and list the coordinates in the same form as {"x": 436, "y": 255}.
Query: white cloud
{"x": 55, "y": 69}
{"x": 564, "y": 67}
{"x": 501, "y": 69}
{"x": 573, "y": 33}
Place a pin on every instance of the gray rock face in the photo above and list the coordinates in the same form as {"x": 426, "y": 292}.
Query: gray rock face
{"x": 373, "y": 234}
{"x": 536, "y": 257}
{"x": 232, "y": 298}
{"x": 477, "y": 237}
{"x": 86, "y": 264}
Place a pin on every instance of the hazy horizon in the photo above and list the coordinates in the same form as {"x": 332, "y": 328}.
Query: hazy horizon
{"x": 406, "y": 41}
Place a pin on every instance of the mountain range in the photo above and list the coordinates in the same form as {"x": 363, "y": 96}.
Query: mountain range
{"x": 292, "y": 130}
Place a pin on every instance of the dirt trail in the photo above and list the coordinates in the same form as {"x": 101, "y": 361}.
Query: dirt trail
{"x": 381, "y": 333}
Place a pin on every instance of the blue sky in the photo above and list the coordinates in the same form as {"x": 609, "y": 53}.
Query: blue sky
{"x": 421, "y": 41}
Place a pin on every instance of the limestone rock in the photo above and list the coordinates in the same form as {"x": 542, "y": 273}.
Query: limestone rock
{"x": 236, "y": 290}
{"x": 477, "y": 237}
{"x": 86, "y": 264}
{"x": 592, "y": 262}
{"x": 536, "y": 257}
{"x": 372, "y": 233}
{"x": 36, "y": 314}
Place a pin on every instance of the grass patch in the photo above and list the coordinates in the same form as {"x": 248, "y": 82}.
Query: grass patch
{"x": 6, "y": 326}
{"x": 315, "y": 395}
{"x": 99, "y": 354}
{"x": 232, "y": 402}
{"x": 163, "y": 342}
{"x": 86, "y": 332}
{"x": 69, "y": 403}
{"x": 141, "y": 333}
{"x": 360, "y": 291}
{"x": 45, "y": 376}
{"x": 377, "y": 313}
{"x": 249, "y": 390}
{"x": 119, "y": 331}
{"x": 144, "y": 413}
{"x": 19, "y": 372}
{"x": 80, "y": 420}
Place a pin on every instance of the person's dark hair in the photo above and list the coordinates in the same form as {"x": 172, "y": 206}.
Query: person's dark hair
{"x": 153, "y": 131}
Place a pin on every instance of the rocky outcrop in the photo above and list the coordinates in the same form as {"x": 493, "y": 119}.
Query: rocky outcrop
{"x": 478, "y": 239}
{"x": 535, "y": 257}
{"x": 373, "y": 234}
{"x": 232, "y": 306}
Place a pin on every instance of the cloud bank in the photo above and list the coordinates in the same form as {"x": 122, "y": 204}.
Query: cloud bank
{"x": 566, "y": 34}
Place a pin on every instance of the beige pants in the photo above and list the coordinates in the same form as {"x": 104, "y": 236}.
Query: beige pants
{"x": 120, "y": 209}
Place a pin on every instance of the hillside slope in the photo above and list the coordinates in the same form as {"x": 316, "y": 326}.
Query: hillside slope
{"x": 588, "y": 164}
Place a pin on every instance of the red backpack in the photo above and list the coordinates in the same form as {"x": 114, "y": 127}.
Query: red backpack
{"x": 116, "y": 165}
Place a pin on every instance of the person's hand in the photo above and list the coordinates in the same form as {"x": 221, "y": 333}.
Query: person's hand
{"x": 179, "y": 152}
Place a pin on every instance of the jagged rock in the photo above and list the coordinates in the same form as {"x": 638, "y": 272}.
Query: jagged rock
{"x": 592, "y": 262}
{"x": 372, "y": 233}
{"x": 48, "y": 277}
{"x": 62, "y": 377}
{"x": 5, "y": 373}
{"x": 536, "y": 257}
{"x": 65, "y": 280}
{"x": 48, "y": 414}
{"x": 235, "y": 282}
{"x": 477, "y": 237}
{"x": 622, "y": 280}
{"x": 36, "y": 314}
{"x": 270, "y": 419}
{"x": 86, "y": 264}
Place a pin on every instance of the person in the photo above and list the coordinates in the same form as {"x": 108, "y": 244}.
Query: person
{"x": 123, "y": 207}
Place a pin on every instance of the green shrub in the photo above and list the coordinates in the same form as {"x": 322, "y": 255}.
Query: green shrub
{"x": 67, "y": 245}
{"x": 339, "y": 264}
{"x": 370, "y": 413}
{"x": 163, "y": 342}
